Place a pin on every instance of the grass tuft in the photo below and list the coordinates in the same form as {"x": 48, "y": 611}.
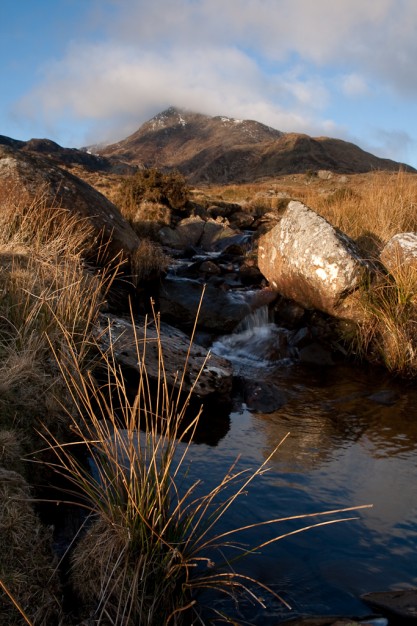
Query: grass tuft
{"x": 147, "y": 552}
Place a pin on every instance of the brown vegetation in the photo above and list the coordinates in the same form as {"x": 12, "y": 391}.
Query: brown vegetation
{"x": 370, "y": 208}
{"x": 145, "y": 554}
{"x": 44, "y": 291}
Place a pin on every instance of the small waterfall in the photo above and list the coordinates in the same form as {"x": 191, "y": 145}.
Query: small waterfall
{"x": 256, "y": 340}
{"x": 259, "y": 318}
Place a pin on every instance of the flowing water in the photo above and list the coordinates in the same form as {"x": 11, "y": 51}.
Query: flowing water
{"x": 352, "y": 441}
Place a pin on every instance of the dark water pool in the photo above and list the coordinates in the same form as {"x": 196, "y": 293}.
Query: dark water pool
{"x": 352, "y": 441}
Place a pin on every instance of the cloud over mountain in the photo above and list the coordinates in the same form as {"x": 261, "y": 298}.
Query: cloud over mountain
{"x": 286, "y": 63}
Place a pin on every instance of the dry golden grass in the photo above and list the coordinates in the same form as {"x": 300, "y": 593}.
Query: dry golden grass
{"x": 27, "y": 565}
{"x": 44, "y": 286}
{"x": 388, "y": 334}
{"x": 44, "y": 291}
{"x": 149, "y": 545}
{"x": 148, "y": 261}
{"x": 379, "y": 204}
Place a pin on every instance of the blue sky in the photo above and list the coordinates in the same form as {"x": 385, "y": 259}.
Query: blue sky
{"x": 86, "y": 71}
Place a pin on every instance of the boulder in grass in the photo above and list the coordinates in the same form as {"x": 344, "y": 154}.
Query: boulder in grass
{"x": 400, "y": 251}
{"x": 34, "y": 178}
{"x": 307, "y": 260}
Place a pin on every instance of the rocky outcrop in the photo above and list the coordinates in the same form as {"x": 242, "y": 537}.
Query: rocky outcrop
{"x": 220, "y": 312}
{"x": 34, "y": 178}
{"x": 306, "y": 259}
{"x": 400, "y": 251}
{"x": 70, "y": 157}
{"x": 194, "y": 232}
{"x": 214, "y": 376}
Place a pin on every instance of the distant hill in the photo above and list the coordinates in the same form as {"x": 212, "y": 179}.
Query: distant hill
{"x": 209, "y": 150}
{"x": 69, "y": 157}
{"x": 223, "y": 150}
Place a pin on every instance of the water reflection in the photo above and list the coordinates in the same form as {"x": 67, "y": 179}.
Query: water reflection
{"x": 353, "y": 440}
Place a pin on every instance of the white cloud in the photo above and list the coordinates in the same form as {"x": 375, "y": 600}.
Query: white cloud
{"x": 109, "y": 82}
{"x": 378, "y": 36}
{"x": 353, "y": 85}
{"x": 272, "y": 60}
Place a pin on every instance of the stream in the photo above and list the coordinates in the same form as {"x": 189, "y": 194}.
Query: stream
{"x": 352, "y": 441}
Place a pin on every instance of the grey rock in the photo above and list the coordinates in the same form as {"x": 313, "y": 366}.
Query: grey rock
{"x": 400, "y": 251}
{"x": 306, "y": 259}
{"x": 195, "y": 232}
{"x": 215, "y": 380}
{"x": 35, "y": 176}
{"x": 220, "y": 312}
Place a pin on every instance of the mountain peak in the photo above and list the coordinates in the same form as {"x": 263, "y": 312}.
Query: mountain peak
{"x": 173, "y": 116}
{"x": 223, "y": 149}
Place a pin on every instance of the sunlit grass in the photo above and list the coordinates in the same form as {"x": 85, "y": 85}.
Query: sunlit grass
{"x": 149, "y": 545}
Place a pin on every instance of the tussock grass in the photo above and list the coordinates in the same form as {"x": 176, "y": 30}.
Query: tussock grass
{"x": 149, "y": 545}
{"x": 27, "y": 567}
{"x": 45, "y": 288}
{"x": 388, "y": 333}
{"x": 148, "y": 261}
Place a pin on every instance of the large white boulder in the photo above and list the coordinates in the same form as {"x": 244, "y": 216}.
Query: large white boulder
{"x": 306, "y": 259}
{"x": 400, "y": 252}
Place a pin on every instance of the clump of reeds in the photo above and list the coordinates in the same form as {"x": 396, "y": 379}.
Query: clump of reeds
{"x": 388, "y": 334}
{"x": 148, "y": 545}
{"x": 44, "y": 288}
{"x": 147, "y": 262}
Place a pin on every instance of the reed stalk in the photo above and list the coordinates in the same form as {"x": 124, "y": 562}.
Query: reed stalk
{"x": 148, "y": 546}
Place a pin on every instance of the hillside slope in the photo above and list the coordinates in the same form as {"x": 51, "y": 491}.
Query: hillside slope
{"x": 223, "y": 150}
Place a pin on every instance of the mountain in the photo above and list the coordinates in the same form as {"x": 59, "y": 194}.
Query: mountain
{"x": 222, "y": 149}
{"x": 68, "y": 157}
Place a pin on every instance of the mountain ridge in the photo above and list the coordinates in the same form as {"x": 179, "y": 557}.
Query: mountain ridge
{"x": 211, "y": 149}
{"x": 221, "y": 149}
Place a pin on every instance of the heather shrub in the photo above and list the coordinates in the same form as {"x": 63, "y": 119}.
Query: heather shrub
{"x": 148, "y": 198}
{"x": 152, "y": 185}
